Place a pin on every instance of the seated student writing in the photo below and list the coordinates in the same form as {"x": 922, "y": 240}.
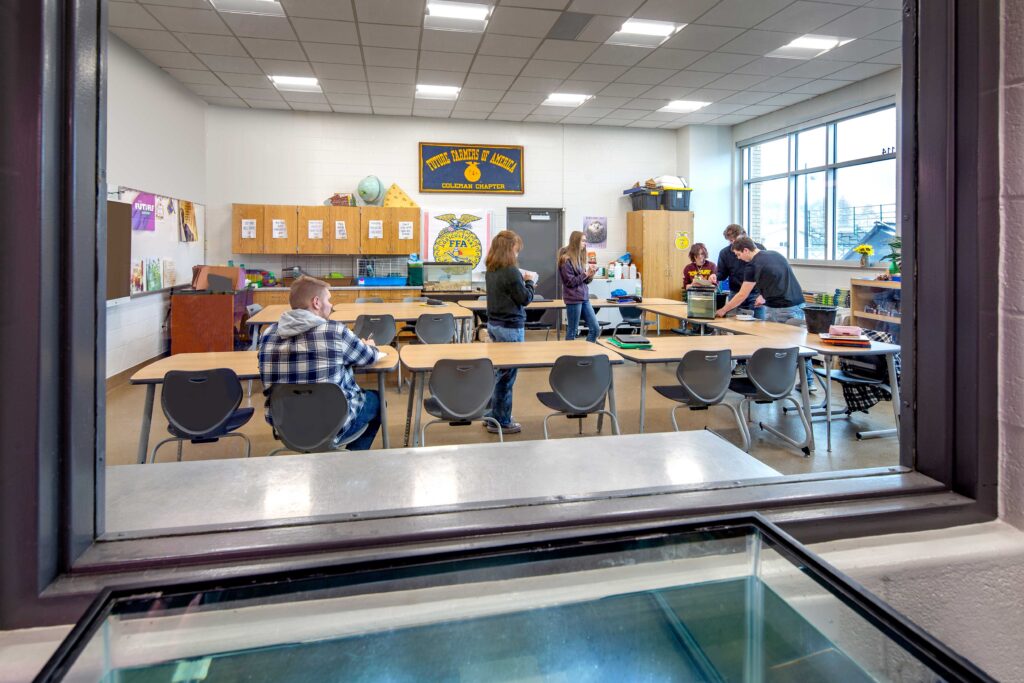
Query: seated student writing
{"x": 306, "y": 347}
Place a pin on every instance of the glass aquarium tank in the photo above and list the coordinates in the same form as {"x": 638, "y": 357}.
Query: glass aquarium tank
{"x": 728, "y": 600}
{"x": 441, "y": 276}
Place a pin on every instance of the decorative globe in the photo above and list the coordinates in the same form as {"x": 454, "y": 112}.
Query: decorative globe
{"x": 370, "y": 189}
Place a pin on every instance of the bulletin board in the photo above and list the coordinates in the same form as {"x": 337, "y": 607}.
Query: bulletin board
{"x": 163, "y": 246}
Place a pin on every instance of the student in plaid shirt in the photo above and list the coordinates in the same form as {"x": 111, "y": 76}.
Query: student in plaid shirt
{"x": 306, "y": 347}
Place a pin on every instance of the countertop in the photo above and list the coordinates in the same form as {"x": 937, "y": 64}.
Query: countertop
{"x": 348, "y": 287}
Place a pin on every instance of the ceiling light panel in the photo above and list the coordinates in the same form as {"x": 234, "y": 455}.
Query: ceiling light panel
{"x": 809, "y": 47}
{"x": 683, "y": 106}
{"x": 295, "y": 83}
{"x": 557, "y": 99}
{"x": 266, "y": 8}
{"x": 437, "y": 92}
{"x": 644, "y": 33}
{"x": 456, "y": 16}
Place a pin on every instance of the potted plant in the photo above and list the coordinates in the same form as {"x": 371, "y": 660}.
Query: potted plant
{"x": 865, "y": 251}
{"x": 895, "y": 255}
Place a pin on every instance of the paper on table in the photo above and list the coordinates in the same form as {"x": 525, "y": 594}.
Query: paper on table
{"x": 405, "y": 230}
{"x": 279, "y": 229}
{"x": 376, "y": 230}
{"x": 316, "y": 230}
{"x": 340, "y": 231}
{"x": 248, "y": 228}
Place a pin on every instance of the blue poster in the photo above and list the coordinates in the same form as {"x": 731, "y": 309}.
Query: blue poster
{"x": 476, "y": 169}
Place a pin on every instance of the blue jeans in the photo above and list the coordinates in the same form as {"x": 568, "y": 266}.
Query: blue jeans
{"x": 781, "y": 315}
{"x": 572, "y": 323}
{"x": 368, "y": 415}
{"x": 504, "y": 380}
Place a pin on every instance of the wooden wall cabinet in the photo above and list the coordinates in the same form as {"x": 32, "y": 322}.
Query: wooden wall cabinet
{"x": 659, "y": 242}
{"x": 351, "y": 229}
{"x": 280, "y": 235}
{"x": 247, "y": 228}
{"x": 382, "y": 228}
{"x": 315, "y": 230}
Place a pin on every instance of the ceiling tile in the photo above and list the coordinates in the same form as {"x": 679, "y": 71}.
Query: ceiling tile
{"x": 618, "y": 55}
{"x": 190, "y": 20}
{"x": 212, "y": 45}
{"x": 736, "y": 82}
{"x": 860, "y": 50}
{"x": 662, "y": 116}
{"x": 226, "y": 101}
{"x": 628, "y": 114}
{"x": 683, "y": 11}
{"x": 582, "y": 87}
{"x": 451, "y": 41}
{"x": 489, "y": 81}
{"x": 598, "y": 72}
{"x": 748, "y": 97}
{"x": 741, "y": 13}
{"x": 543, "y": 118}
{"x": 513, "y": 108}
{"x": 549, "y": 69}
{"x": 310, "y": 106}
{"x": 618, "y": 8}
{"x": 131, "y": 15}
{"x": 668, "y": 92}
{"x": 565, "y": 50}
{"x": 779, "y": 84}
{"x": 784, "y": 99}
{"x": 893, "y": 33}
{"x": 351, "y": 109}
{"x": 644, "y": 104}
{"x": 173, "y": 60}
{"x": 348, "y": 98}
{"x": 645, "y": 124}
{"x": 862, "y": 21}
{"x": 731, "y": 120}
{"x": 436, "y": 77}
{"x": 709, "y": 95}
{"x": 194, "y": 76}
{"x": 593, "y": 111}
{"x": 667, "y": 58}
{"x": 341, "y": 72}
{"x": 405, "y": 12}
{"x": 145, "y": 39}
{"x": 759, "y": 43}
{"x": 613, "y": 121}
{"x": 766, "y": 66}
{"x": 462, "y": 106}
{"x": 599, "y": 29}
{"x": 319, "y": 9}
{"x": 886, "y": 4}
{"x": 274, "y": 49}
{"x": 329, "y": 85}
{"x": 332, "y": 53}
{"x": 253, "y": 26}
{"x": 385, "y": 74}
{"x": 804, "y": 17}
{"x": 894, "y": 57}
{"x": 389, "y": 56}
{"x": 468, "y": 94}
{"x": 858, "y": 72}
{"x": 379, "y": 35}
{"x": 757, "y": 110}
{"x": 706, "y": 38}
{"x": 721, "y": 62}
{"x": 326, "y": 31}
{"x": 192, "y": 4}
{"x": 389, "y": 101}
{"x": 258, "y": 94}
{"x": 579, "y": 120}
{"x": 820, "y": 86}
{"x": 722, "y": 108}
{"x": 405, "y": 90}
{"x": 304, "y": 97}
{"x": 692, "y": 79}
{"x": 268, "y": 104}
{"x": 480, "y": 116}
{"x": 533, "y": 98}
{"x": 247, "y": 80}
{"x": 517, "y": 21}
{"x": 816, "y": 68}
{"x": 445, "y": 61}
{"x": 506, "y": 117}
{"x": 285, "y": 67}
{"x": 625, "y": 89}
{"x": 640, "y": 74}
{"x": 507, "y": 66}
{"x": 545, "y": 85}
{"x": 207, "y": 90}
{"x": 393, "y": 111}
{"x": 553, "y": 112}
{"x": 537, "y": 4}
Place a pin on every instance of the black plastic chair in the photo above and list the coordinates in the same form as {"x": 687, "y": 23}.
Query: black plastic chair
{"x": 579, "y": 386}
{"x": 382, "y": 327}
{"x": 308, "y": 418}
{"x": 408, "y": 327}
{"x": 704, "y": 378}
{"x": 460, "y": 394}
{"x": 202, "y": 407}
{"x": 534, "y": 318}
{"x": 436, "y": 328}
{"x": 771, "y": 375}
{"x": 369, "y": 300}
{"x": 633, "y": 317}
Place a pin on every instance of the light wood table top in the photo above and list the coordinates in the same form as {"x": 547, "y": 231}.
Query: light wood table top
{"x": 476, "y": 305}
{"x": 677, "y": 309}
{"x": 667, "y": 349}
{"x": 796, "y": 336}
{"x": 401, "y": 311}
{"x": 532, "y": 354}
{"x": 269, "y": 314}
{"x": 244, "y": 363}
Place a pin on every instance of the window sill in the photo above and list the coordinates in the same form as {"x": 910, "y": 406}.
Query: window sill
{"x": 846, "y": 265}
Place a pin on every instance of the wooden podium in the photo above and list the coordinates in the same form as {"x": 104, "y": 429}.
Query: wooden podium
{"x": 202, "y": 321}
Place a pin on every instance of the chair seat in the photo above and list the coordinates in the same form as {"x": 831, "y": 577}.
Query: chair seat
{"x": 844, "y": 378}
{"x": 434, "y": 408}
{"x": 237, "y": 419}
{"x": 551, "y": 400}
{"x": 673, "y": 392}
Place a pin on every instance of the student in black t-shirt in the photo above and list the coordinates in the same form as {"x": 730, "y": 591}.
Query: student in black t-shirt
{"x": 732, "y": 271}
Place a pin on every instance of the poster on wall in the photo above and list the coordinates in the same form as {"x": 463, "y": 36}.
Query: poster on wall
{"x": 188, "y": 227}
{"x": 475, "y": 169}
{"x": 143, "y": 209}
{"x": 457, "y": 236}
{"x": 595, "y": 229}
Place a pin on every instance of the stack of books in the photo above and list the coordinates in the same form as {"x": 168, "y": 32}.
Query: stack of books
{"x": 629, "y": 341}
{"x": 855, "y": 340}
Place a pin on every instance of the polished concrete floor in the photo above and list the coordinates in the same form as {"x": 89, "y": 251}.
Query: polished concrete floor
{"x": 124, "y": 413}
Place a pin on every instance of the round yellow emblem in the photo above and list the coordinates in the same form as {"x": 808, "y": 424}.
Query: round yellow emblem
{"x": 472, "y": 171}
{"x": 458, "y": 246}
{"x": 682, "y": 241}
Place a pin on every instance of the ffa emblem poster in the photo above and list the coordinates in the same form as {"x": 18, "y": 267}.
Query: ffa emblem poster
{"x": 457, "y": 236}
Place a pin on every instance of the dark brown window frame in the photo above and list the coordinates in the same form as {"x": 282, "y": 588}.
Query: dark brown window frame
{"x": 52, "y": 397}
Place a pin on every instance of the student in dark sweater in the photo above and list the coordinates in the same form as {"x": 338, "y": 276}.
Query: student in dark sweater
{"x": 576, "y": 274}
{"x": 733, "y": 271}
{"x": 509, "y": 290}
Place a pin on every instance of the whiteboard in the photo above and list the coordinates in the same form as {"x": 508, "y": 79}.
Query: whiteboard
{"x": 163, "y": 242}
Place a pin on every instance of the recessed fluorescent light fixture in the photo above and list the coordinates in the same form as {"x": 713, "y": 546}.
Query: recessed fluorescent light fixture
{"x": 808, "y": 47}
{"x": 456, "y": 16}
{"x": 295, "y": 83}
{"x": 437, "y": 92}
{"x": 644, "y": 33}
{"x": 559, "y": 99}
{"x": 683, "y": 106}
{"x": 267, "y": 8}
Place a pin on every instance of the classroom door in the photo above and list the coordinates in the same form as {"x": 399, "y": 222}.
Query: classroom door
{"x": 541, "y": 230}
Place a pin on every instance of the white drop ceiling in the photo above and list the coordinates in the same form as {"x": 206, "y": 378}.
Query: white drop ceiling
{"x": 370, "y": 54}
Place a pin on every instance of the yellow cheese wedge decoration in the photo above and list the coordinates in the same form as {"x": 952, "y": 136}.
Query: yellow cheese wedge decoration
{"x": 397, "y": 197}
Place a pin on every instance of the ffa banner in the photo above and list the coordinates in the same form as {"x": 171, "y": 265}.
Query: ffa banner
{"x": 477, "y": 169}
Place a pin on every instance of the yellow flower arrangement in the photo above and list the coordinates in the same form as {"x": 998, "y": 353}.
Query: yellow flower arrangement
{"x": 865, "y": 249}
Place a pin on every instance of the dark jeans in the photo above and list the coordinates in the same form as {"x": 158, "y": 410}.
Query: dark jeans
{"x": 573, "y": 312}
{"x": 368, "y": 415}
{"x": 504, "y": 380}
{"x": 781, "y": 315}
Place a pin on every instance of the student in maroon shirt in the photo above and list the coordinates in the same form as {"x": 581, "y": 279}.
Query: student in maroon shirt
{"x": 699, "y": 267}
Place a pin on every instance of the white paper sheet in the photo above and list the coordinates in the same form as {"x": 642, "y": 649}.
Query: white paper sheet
{"x": 248, "y": 228}
{"x": 316, "y": 230}
{"x": 376, "y": 230}
{"x": 340, "y": 231}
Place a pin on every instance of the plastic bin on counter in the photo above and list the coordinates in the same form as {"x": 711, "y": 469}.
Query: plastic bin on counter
{"x": 382, "y": 281}
{"x": 643, "y": 198}
{"x": 676, "y": 198}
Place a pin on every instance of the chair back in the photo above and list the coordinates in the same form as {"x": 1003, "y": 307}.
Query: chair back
{"x": 436, "y": 328}
{"x": 463, "y": 388}
{"x": 535, "y": 315}
{"x": 414, "y": 299}
{"x": 382, "y": 327}
{"x": 369, "y": 300}
{"x": 219, "y": 284}
{"x": 200, "y": 402}
{"x": 631, "y": 314}
{"x": 773, "y": 372}
{"x": 581, "y": 381}
{"x": 308, "y": 417}
{"x": 705, "y": 376}
{"x": 253, "y": 309}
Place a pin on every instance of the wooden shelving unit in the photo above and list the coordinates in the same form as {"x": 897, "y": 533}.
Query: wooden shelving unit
{"x": 863, "y": 295}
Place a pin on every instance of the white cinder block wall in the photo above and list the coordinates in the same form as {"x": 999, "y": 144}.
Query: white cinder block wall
{"x": 156, "y": 132}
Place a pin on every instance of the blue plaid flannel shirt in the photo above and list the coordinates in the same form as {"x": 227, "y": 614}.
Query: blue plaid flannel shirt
{"x": 325, "y": 353}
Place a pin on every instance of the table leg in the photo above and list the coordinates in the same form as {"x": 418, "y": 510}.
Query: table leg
{"x": 408, "y": 412}
{"x": 254, "y": 332}
{"x": 147, "y": 422}
{"x": 611, "y": 402}
{"x": 558, "y": 324}
{"x": 828, "y": 402}
{"x": 643, "y": 395}
{"x": 418, "y": 408}
{"x": 384, "y": 439}
{"x": 805, "y": 397}
{"x": 657, "y": 318}
{"x": 894, "y": 388}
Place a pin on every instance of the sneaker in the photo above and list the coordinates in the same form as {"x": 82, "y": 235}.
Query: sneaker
{"x": 513, "y": 428}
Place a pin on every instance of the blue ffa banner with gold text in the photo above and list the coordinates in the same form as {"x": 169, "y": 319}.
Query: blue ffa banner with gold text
{"x": 477, "y": 169}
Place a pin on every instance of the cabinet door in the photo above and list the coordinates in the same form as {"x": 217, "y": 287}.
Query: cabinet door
{"x": 373, "y": 230}
{"x": 344, "y": 229}
{"x": 314, "y": 230}
{"x": 402, "y": 230}
{"x": 247, "y": 228}
{"x": 279, "y": 233}
{"x": 680, "y": 234}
